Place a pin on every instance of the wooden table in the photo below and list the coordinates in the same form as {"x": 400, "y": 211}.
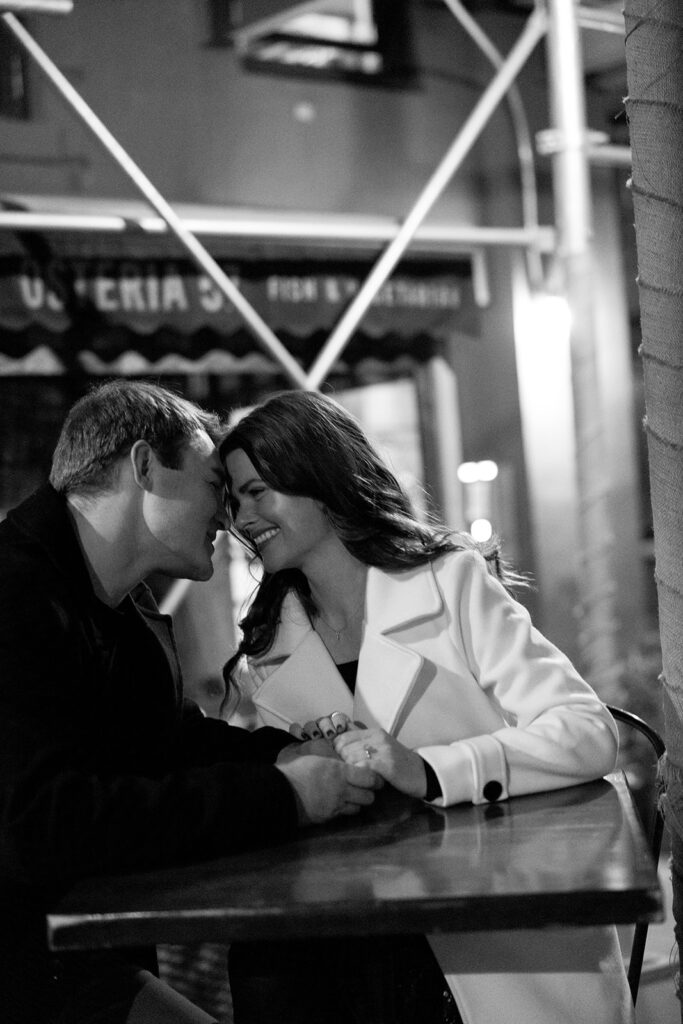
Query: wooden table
{"x": 576, "y": 856}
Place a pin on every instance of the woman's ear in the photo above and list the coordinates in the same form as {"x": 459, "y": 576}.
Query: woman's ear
{"x": 142, "y": 459}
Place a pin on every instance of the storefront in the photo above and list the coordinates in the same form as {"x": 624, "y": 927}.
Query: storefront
{"x": 77, "y": 307}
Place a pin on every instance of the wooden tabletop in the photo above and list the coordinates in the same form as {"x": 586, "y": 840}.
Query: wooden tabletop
{"x": 576, "y": 856}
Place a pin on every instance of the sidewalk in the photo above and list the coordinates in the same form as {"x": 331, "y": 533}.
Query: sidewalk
{"x": 657, "y": 1002}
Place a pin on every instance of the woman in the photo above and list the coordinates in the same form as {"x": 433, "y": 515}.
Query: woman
{"x": 460, "y": 697}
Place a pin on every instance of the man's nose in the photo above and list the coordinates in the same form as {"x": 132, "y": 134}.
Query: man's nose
{"x": 222, "y": 516}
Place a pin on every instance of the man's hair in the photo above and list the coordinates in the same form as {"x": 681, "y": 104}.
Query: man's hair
{"x": 105, "y": 423}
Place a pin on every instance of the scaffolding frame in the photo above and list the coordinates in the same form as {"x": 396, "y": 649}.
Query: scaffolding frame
{"x": 569, "y": 145}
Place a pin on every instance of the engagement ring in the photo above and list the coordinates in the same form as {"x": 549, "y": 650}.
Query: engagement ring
{"x": 369, "y": 751}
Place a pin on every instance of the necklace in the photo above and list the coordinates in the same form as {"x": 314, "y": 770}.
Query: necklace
{"x": 339, "y": 633}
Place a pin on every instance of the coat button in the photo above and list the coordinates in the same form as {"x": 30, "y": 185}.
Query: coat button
{"x": 492, "y": 791}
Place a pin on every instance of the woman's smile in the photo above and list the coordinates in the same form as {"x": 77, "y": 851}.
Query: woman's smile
{"x": 261, "y": 538}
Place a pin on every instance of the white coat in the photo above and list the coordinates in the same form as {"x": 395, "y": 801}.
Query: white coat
{"x": 452, "y": 666}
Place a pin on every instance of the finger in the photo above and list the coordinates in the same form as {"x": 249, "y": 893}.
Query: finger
{"x": 341, "y": 745}
{"x": 312, "y": 731}
{"x": 361, "y": 797}
{"x": 378, "y": 781}
{"x": 297, "y": 731}
{"x": 349, "y": 737}
{"x": 360, "y": 775}
{"x": 317, "y": 748}
{"x": 326, "y": 728}
{"x": 340, "y": 721}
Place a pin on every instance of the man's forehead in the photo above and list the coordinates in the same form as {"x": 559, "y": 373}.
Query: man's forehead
{"x": 203, "y": 448}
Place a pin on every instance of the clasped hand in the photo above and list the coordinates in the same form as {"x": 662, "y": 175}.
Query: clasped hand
{"x": 368, "y": 748}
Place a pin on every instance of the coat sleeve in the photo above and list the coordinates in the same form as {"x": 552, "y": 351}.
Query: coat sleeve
{"x": 66, "y": 812}
{"x": 558, "y": 733}
{"x": 210, "y": 740}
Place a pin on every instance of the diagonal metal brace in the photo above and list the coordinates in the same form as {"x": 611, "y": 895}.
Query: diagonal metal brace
{"x": 196, "y": 250}
{"x": 533, "y": 32}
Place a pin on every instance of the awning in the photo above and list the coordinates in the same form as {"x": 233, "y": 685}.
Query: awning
{"x": 133, "y": 303}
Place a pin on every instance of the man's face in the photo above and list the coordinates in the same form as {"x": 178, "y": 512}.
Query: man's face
{"x": 185, "y": 510}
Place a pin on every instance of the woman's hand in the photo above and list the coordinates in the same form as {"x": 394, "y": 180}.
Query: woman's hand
{"x": 376, "y": 749}
{"x": 327, "y": 727}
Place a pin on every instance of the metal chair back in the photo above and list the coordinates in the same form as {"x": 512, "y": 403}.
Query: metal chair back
{"x": 654, "y": 829}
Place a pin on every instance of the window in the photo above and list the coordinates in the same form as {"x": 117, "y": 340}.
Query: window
{"x": 13, "y": 78}
{"x": 361, "y": 40}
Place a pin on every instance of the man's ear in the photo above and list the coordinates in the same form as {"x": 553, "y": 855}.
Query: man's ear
{"x": 142, "y": 460}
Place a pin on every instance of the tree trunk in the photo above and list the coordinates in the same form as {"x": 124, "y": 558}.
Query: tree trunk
{"x": 654, "y": 58}
{"x": 654, "y": 63}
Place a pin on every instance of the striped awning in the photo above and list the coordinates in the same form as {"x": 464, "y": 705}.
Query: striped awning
{"x": 133, "y": 302}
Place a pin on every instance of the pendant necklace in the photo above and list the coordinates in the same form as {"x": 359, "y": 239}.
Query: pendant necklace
{"x": 337, "y": 632}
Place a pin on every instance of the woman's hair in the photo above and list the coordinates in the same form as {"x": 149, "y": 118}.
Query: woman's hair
{"x": 303, "y": 443}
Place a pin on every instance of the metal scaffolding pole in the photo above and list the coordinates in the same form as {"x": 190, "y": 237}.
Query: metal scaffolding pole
{"x": 37, "y": 6}
{"x": 263, "y": 334}
{"x": 469, "y": 133}
{"x": 573, "y": 214}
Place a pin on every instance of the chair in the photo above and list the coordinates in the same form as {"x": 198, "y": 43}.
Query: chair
{"x": 655, "y": 829}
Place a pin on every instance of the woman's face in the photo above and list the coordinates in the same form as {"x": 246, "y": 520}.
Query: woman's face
{"x": 290, "y": 531}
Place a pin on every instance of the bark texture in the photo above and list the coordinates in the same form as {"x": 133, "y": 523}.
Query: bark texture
{"x": 654, "y": 59}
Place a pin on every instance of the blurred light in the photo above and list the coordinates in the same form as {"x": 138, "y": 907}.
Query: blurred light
{"x": 467, "y": 472}
{"x": 548, "y": 321}
{"x": 488, "y": 470}
{"x": 481, "y": 529}
{"x": 304, "y": 112}
{"x": 477, "y": 472}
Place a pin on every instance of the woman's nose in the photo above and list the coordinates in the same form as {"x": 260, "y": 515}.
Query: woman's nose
{"x": 242, "y": 517}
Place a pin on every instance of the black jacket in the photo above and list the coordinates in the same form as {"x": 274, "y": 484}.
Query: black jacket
{"x": 104, "y": 766}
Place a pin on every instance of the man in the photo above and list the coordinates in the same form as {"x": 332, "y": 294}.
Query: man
{"x": 103, "y": 765}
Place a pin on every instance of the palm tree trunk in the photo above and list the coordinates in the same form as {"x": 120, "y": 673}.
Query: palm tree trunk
{"x": 654, "y": 61}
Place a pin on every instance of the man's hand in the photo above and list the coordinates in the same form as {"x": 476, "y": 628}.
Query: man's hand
{"x": 318, "y": 748}
{"x": 326, "y": 787}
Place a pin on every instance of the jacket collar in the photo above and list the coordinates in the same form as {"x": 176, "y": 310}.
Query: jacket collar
{"x": 43, "y": 518}
{"x": 399, "y": 599}
{"x": 392, "y": 602}
{"x": 387, "y": 668}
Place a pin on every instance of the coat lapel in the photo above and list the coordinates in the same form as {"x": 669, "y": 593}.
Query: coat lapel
{"x": 298, "y": 664}
{"x": 298, "y": 680}
{"x": 388, "y": 667}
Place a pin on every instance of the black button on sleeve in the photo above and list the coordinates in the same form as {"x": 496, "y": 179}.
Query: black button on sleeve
{"x": 492, "y": 791}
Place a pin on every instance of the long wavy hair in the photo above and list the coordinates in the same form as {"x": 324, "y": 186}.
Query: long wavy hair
{"x": 303, "y": 443}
